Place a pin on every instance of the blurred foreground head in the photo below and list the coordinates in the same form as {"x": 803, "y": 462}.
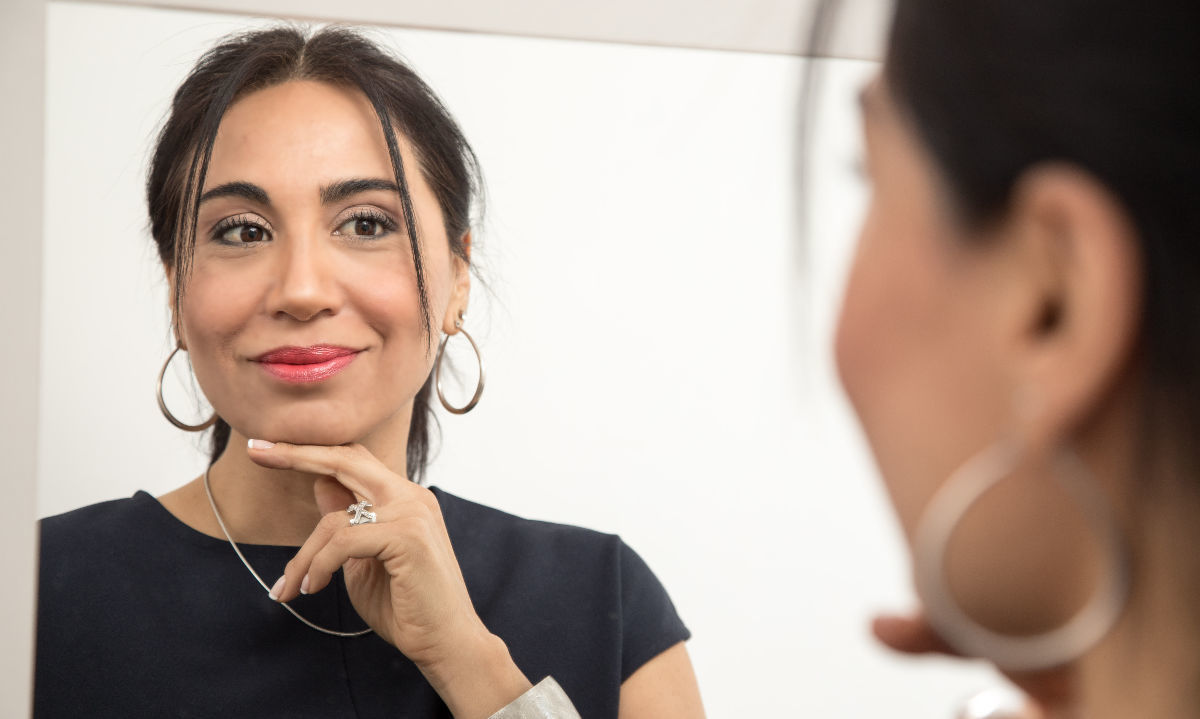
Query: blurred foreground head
{"x": 1020, "y": 335}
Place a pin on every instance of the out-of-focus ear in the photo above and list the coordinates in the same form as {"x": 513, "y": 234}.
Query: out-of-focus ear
{"x": 460, "y": 292}
{"x": 1079, "y": 266}
{"x": 466, "y": 244}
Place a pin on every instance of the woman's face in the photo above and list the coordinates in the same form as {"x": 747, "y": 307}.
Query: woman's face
{"x": 301, "y": 257}
{"x": 932, "y": 354}
{"x": 914, "y": 349}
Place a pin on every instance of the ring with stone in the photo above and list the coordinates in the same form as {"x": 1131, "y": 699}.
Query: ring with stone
{"x": 361, "y": 515}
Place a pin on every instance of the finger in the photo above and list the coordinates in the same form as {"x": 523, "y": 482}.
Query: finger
{"x": 331, "y": 496}
{"x": 291, "y": 583}
{"x": 352, "y": 465}
{"x": 914, "y": 635}
{"x": 369, "y": 541}
{"x": 910, "y": 635}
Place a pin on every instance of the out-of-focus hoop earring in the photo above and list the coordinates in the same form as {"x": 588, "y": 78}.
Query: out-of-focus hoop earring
{"x": 437, "y": 371}
{"x": 1017, "y": 653}
{"x": 162, "y": 404}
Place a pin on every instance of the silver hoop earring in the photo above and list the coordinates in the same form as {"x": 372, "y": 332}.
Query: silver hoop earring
{"x": 437, "y": 372}
{"x": 1043, "y": 651}
{"x": 162, "y": 404}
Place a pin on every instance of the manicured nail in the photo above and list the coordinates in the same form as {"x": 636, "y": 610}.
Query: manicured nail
{"x": 275, "y": 590}
{"x": 304, "y": 585}
{"x": 260, "y": 444}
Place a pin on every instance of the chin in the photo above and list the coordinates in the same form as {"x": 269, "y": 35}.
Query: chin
{"x": 324, "y": 436}
{"x": 300, "y": 429}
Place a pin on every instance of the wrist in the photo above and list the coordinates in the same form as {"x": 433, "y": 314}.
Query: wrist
{"x": 478, "y": 677}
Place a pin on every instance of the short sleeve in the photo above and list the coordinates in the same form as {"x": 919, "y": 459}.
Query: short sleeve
{"x": 650, "y": 624}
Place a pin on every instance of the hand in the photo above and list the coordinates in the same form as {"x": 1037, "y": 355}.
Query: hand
{"x": 1050, "y": 690}
{"x": 401, "y": 574}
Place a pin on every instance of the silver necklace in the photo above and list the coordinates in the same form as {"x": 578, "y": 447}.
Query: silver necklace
{"x": 213, "y": 503}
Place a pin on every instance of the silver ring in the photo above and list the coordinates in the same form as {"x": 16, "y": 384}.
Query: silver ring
{"x": 361, "y": 515}
{"x": 998, "y": 703}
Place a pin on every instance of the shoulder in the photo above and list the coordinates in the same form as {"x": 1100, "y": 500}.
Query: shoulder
{"x": 506, "y": 543}
{"x": 560, "y": 581}
{"x": 104, "y": 541}
{"x": 477, "y": 525}
{"x": 85, "y": 525}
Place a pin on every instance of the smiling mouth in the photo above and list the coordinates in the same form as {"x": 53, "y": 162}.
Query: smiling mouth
{"x": 305, "y": 365}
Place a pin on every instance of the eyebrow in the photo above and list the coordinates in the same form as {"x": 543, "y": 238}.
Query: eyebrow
{"x": 335, "y": 192}
{"x": 343, "y": 189}
{"x": 245, "y": 190}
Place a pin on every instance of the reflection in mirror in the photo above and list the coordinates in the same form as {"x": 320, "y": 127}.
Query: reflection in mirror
{"x": 635, "y": 301}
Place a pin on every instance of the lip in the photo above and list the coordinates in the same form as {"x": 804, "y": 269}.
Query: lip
{"x": 305, "y": 365}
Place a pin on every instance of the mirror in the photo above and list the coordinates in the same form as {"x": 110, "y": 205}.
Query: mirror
{"x": 656, "y": 333}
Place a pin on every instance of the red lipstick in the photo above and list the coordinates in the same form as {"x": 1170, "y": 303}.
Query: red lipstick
{"x": 303, "y": 365}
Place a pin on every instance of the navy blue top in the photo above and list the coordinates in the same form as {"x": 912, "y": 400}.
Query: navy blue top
{"x": 140, "y": 615}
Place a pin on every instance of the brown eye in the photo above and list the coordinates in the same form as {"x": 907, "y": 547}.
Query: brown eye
{"x": 250, "y": 233}
{"x": 365, "y": 225}
{"x": 241, "y": 233}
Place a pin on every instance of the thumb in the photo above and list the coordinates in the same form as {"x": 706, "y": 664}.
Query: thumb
{"x": 909, "y": 634}
{"x": 332, "y": 496}
{"x": 1052, "y": 690}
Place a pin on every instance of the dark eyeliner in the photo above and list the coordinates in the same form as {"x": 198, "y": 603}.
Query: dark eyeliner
{"x": 230, "y": 223}
{"x": 370, "y": 214}
{"x": 366, "y": 213}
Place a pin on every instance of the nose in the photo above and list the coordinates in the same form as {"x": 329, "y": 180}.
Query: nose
{"x": 304, "y": 286}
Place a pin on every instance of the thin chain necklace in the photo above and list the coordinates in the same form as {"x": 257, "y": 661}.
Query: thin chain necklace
{"x": 213, "y": 503}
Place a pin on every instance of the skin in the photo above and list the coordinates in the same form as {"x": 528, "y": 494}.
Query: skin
{"x": 1026, "y": 330}
{"x": 320, "y": 272}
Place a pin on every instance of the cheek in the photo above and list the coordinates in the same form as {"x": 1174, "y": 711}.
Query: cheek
{"x": 384, "y": 290}
{"x": 869, "y": 334}
{"x": 216, "y": 307}
{"x": 894, "y": 348}
{"x": 387, "y": 300}
{"x": 385, "y": 294}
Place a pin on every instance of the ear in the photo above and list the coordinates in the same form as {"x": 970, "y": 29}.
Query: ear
{"x": 1078, "y": 259}
{"x": 460, "y": 292}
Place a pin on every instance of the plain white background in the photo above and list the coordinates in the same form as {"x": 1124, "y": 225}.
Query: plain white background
{"x": 656, "y": 330}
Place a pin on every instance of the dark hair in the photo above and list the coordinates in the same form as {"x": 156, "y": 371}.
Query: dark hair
{"x": 994, "y": 88}
{"x": 259, "y": 59}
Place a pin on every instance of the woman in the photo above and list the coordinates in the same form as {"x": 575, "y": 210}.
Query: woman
{"x": 310, "y": 199}
{"x": 1020, "y": 336}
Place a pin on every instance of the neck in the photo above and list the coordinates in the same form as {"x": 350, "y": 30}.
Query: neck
{"x": 272, "y": 506}
{"x": 1149, "y": 665}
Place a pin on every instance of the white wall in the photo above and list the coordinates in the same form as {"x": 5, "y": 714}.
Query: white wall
{"x": 22, "y": 26}
{"x": 769, "y": 26}
{"x": 657, "y": 333}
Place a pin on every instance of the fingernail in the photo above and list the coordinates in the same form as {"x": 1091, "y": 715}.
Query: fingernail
{"x": 275, "y": 590}
{"x": 304, "y": 585}
{"x": 259, "y": 444}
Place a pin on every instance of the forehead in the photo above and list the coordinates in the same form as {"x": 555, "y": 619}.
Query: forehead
{"x": 299, "y": 132}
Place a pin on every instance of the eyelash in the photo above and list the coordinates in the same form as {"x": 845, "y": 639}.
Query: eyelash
{"x": 371, "y": 215}
{"x": 230, "y": 223}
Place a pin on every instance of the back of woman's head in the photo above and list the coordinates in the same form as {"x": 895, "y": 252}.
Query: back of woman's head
{"x": 260, "y": 59}
{"x": 995, "y": 88}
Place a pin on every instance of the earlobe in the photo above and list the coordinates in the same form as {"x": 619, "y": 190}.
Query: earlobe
{"x": 1076, "y": 243}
